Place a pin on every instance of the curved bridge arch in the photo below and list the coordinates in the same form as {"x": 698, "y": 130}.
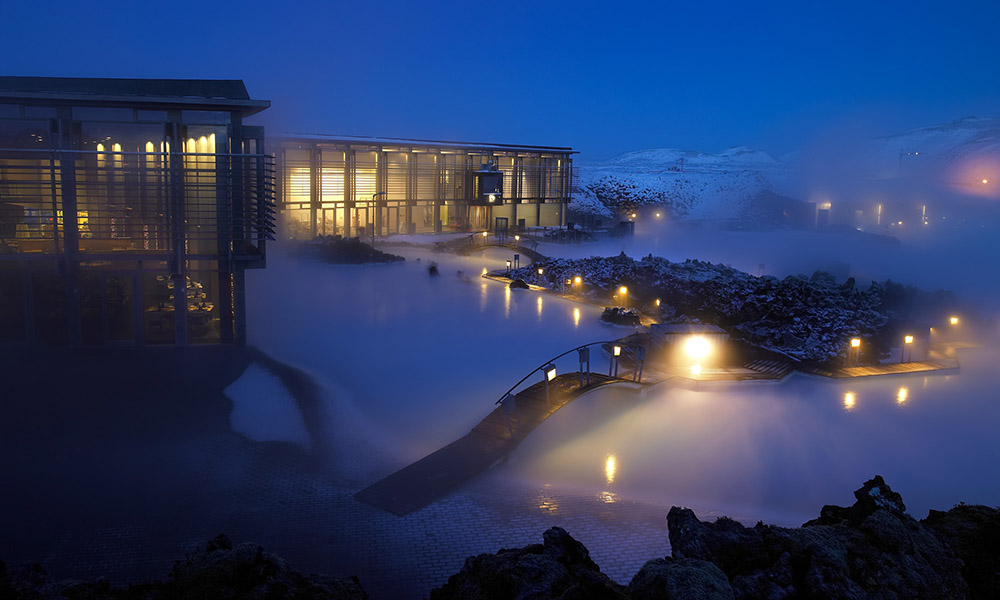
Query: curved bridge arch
{"x": 515, "y": 416}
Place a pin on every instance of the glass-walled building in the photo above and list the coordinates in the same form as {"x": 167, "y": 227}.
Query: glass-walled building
{"x": 129, "y": 209}
{"x": 356, "y": 186}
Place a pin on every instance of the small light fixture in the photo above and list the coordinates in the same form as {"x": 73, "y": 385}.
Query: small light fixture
{"x": 508, "y": 263}
{"x": 657, "y": 215}
{"x": 578, "y": 280}
{"x": 550, "y": 372}
{"x": 954, "y": 320}
{"x": 485, "y": 271}
{"x": 541, "y": 270}
{"x": 633, "y": 215}
{"x": 486, "y": 233}
{"x": 623, "y": 290}
{"x": 517, "y": 238}
{"x": 657, "y": 301}
{"x": 908, "y": 339}
{"x": 616, "y": 350}
{"x": 855, "y": 342}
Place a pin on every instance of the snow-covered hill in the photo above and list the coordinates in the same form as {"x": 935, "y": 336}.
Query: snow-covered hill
{"x": 959, "y": 157}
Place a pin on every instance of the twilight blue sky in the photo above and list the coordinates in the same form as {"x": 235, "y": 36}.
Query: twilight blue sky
{"x": 602, "y": 77}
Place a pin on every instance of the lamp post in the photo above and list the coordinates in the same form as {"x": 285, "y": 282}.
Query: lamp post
{"x": 907, "y": 345}
{"x": 374, "y": 208}
{"x": 855, "y": 350}
{"x": 549, "y": 371}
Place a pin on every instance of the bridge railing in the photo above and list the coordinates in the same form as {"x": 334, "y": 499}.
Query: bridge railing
{"x": 637, "y": 352}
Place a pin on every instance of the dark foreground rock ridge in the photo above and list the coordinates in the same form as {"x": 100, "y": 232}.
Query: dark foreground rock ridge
{"x": 220, "y": 572}
{"x": 870, "y": 550}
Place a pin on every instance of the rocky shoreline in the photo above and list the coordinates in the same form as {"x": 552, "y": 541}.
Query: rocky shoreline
{"x": 807, "y": 318}
{"x": 872, "y": 549}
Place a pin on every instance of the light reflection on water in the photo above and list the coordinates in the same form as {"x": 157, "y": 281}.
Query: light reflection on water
{"x": 778, "y": 452}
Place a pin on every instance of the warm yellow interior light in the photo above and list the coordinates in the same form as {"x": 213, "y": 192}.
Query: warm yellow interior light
{"x": 697, "y": 347}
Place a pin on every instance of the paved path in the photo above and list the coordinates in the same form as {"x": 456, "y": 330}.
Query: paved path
{"x": 439, "y": 473}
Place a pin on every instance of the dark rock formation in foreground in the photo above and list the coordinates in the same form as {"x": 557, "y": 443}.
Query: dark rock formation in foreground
{"x": 558, "y": 568}
{"x": 871, "y": 550}
{"x": 340, "y": 250}
{"x": 222, "y": 571}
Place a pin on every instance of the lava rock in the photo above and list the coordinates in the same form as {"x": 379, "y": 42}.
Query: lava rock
{"x": 870, "y": 550}
{"x": 620, "y": 316}
{"x": 518, "y": 284}
{"x": 220, "y": 571}
{"x": 336, "y": 249}
{"x": 973, "y": 532}
{"x": 679, "y": 579}
{"x": 560, "y": 567}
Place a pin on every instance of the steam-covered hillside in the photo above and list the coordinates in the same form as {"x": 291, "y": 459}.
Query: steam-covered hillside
{"x": 960, "y": 157}
{"x": 692, "y": 184}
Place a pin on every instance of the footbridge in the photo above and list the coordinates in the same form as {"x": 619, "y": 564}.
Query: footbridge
{"x": 543, "y": 391}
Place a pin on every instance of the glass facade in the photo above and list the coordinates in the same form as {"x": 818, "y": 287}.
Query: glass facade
{"x": 106, "y": 211}
{"x": 357, "y": 188}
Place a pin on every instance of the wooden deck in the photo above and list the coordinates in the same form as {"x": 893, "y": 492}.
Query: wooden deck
{"x": 885, "y": 369}
{"x": 421, "y": 483}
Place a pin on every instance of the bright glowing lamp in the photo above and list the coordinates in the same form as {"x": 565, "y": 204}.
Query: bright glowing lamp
{"x": 508, "y": 263}
{"x": 486, "y": 233}
{"x": 657, "y": 301}
{"x": 908, "y": 339}
{"x": 633, "y": 215}
{"x": 616, "y": 350}
{"x": 484, "y": 271}
{"x": 540, "y": 271}
{"x": 696, "y": 370}
{"x": 954, "y": 320}
{"x": 657, "y": 215}
{"x": 517, "y": 238}
{"x": 578, "y": 280}
{"x": 550, "y": 372}
{"x": 855, "y": 342}
{"x": 985, "y": 181}
{"x": 697, "y": 347}
{"x": 623, "y": 290}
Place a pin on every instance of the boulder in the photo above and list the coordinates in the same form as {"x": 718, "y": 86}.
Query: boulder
{"x": 679, "y": 579}
{"x": 518, "y": 284}
{"x": 872, "y": 549}
{"x": 973, "y": 532}
{"x": 560, "y": 567}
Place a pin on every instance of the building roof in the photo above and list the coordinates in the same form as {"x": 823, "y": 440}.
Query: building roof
{"x": 211, "y": 94}
{"x": 362, "y": 140}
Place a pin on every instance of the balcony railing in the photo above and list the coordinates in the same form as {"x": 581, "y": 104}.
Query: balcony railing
{"x": 128, "y": 202}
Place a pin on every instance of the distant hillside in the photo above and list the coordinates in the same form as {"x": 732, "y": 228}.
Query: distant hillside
{"x": 955, "y": 156}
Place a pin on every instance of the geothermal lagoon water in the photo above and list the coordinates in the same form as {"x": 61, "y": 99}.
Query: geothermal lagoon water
{"x": 411, "y": 362}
